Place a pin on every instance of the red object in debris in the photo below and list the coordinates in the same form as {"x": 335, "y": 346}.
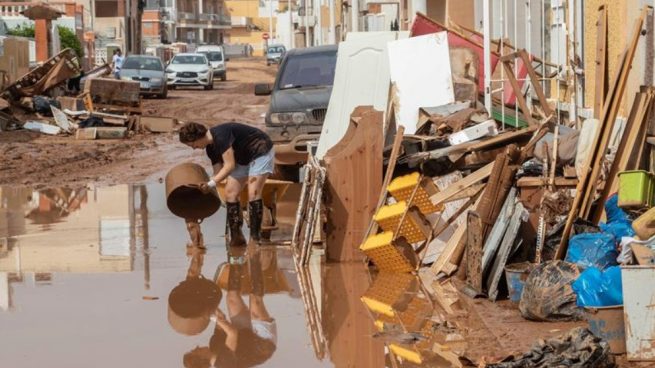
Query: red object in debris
{"x": 423, "y": 25}
{"x": 265, "y": 36}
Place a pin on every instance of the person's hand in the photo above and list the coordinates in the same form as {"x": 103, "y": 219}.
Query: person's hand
{"x": 207, "y": 187}
{"x": 204, "y": 188}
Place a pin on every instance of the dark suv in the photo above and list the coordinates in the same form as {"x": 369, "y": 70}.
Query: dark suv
{"x": 299, "y": 101}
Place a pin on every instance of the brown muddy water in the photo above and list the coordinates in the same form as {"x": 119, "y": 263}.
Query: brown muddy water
{"x": 86, "y": 275}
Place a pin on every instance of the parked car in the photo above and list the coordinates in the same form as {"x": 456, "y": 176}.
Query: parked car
{"x": 216, "y": 56}
{"x": 190, "y": 70}
{"x": 148, "y": 71}
{"x": 299, "y": 101}
{"x": 275, "y": 54}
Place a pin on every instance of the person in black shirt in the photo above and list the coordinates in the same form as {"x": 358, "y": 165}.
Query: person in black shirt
{"x": 240, "y": 154}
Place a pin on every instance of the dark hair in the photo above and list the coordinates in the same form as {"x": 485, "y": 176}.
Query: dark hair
{"x": 191, "y": 132}
{"x": 194, "y": 360}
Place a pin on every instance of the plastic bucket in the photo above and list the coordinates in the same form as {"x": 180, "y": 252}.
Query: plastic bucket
{"x": 516, "y": 274}
{"x": 183, "y": 197}
{"x": 635, "y": 189}
{"x": 607, "y": 323}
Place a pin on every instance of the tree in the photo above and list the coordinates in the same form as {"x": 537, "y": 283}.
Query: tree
{"x": 67, "y": 37}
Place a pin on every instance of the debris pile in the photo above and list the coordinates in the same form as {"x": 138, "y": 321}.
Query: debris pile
{"x": 107, "y": 108}
{"x": 471, "y": 193}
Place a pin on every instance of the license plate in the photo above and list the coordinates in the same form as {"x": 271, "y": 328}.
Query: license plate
{"x": 145, "y": 85}
{"x": 188, "y": 80}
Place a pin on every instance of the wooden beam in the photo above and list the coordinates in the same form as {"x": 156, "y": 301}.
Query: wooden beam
{"x": 601, "y": 61}
{"x": 461, "y": 185}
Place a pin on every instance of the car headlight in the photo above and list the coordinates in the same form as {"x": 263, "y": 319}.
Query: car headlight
{"x": 170, "y": 71}
{"x": 288, "y": 117}
{"x": 204, "y": 71}
{"x": 126, "y": 78}
{"x": 155, "y": 80}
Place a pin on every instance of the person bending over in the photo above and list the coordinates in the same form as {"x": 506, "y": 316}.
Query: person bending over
{"x": 241, "y": 155}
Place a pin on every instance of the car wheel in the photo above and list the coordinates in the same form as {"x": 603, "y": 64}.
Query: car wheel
{"x": 207, "y": 87}
{"x": 224, "y": 77}
{"x": 171, "y": 87}
{"x": 164, "y": 94}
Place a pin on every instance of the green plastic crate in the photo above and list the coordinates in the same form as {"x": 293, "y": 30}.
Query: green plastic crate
{"x": 635, "y": 189}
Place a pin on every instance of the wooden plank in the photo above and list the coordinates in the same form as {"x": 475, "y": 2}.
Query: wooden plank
{"x": 536, "y": 85}
{"x": 388, "y": 175}
{"x": 509, "y": 73}
{"x": 474, "y": 243}
{"x": 610, "y": 117}
{"x": 610, "y": 110}
{"x": 503, "y": 253}
{"x": 634, "y": 132}
{"x": 111, "y": 132}
{"x": 498, "y": 230}
{"x": 352, "y": 203}
{"x": 462, "y": 185}
{"x": 529, "y": 181}
{"x": 86, "y": 133}
{"x": 601, "y": 61}
{"x": 454, "y": 249}
{"x": 502, "y": 139}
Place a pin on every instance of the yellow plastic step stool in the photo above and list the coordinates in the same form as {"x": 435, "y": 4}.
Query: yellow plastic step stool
{"x": 386, "y": 255}
{"x": 414, "y": 228}
{"x": 401, "y": 189}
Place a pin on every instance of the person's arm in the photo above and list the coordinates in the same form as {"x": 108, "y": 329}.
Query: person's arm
{"x": 228, "y": 165}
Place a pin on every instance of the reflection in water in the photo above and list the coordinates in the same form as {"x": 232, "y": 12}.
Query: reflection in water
{"x": 414, "y": 331}
{"x": 72, "y": 230}
{"x": 245, "y": 335}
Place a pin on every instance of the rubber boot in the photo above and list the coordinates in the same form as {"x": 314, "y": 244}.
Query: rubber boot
{"x": 256, "y": 212}
{"x": 235, "y": 221}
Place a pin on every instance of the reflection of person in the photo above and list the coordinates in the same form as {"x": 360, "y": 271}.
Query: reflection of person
{"x": 249, "y": 336}
{"x": 239, "y": 154}
{"x": 193, "y": 227}
{"x": 194, "y": 300}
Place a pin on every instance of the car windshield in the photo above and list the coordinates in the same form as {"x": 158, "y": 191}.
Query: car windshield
{"x": 143, "y": 63}
{"x": 213, "y": 55}
{"x": 276, "y": 49}
{"x": 189, "y": 59}
{"x": 308, "y": 70}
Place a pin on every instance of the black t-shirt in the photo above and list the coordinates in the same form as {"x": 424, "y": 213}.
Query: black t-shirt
{"x": 247, "y": 142}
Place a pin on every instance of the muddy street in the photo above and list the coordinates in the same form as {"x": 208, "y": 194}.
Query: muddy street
{"x": 30, "y": 158}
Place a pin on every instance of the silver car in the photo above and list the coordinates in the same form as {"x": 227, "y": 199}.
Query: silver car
{"x": 190, "y": 70}
{"x": 148, "y": 71}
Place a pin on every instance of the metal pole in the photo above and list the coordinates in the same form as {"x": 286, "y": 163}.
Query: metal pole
{"x": 319, "y": 20}
{"x": 486, "y": 23}
{"x": 354, "y": 17}
{"x": 291, "y": 35}
{"x": 305, "y": 22}
{"x": 270, "y": 19}
{"x": 333, "y": 21}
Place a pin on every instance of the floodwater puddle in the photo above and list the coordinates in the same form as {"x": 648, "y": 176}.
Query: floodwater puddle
{"x": 103, "y": 277}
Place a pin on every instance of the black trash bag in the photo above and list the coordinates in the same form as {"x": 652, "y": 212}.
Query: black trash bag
{"x": 547, "y": 294}
{"x": 92, "y": 122}
{"x": 531, "y": 167}
{"x": 42, "y": 105}
{"x": 554, "y": 235}
{"x": 578, "y": 348}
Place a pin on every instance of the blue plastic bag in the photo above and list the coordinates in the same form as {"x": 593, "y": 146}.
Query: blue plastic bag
{"x": 618, "y": 223}
{"x": 596, "y": 288}
{"x": 592, "y": 250}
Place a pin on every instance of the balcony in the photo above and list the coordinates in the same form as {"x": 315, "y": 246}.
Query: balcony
{"x": 186, "y": 16}
{"x": 203, "y": 21}
{"x": 240, "y": 21}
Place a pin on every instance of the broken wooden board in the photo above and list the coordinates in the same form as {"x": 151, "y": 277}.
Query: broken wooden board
{"x": 352, "y": 202}
{"x": 419, "y": 68}
{"x": 451, "y": 256}
{"x": 61, "y": 119}
{"x": 42, "y": 127}
{"x": 474, "y": 243}
{"x": 461, "y": 185}
{"x": 504, "y": 251}
{"x": 535, "y": 181}
{"x": 71, "y": 103}
{"x": 644, "y": 255}
{"x": 487, "y": 128}
{"x": 50, "y": 74}
{"x": 498, "y": 230}
{"x": 86, "y": 133}
{"x": 109, "y": 91}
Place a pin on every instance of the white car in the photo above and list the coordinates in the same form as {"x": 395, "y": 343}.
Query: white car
{"x": 216, "y": 56}
{"x": 189, "y": 70}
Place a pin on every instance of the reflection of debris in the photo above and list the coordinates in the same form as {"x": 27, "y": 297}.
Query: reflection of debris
{"x": 576, "y": 349}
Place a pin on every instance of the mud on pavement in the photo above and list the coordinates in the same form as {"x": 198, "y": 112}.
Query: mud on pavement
{"x": 30, "y": 158}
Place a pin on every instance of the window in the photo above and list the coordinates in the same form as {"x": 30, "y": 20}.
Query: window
{"x": 142, "y": 63}
{"x": 189, "y": 59}
{"x": 308, "y": 70}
